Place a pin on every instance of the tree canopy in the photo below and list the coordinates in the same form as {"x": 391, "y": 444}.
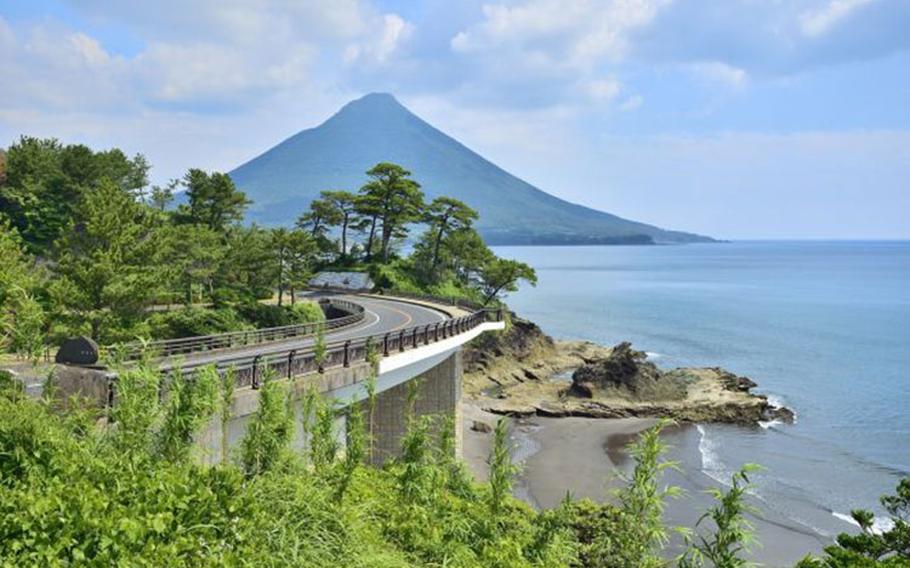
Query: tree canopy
{"x": 214, "y": 200}
{"x": 45, "y": 181}
{"x": 106, "y": 277}
{"x": 397, "y": 199}
{"x": 113, "y": 251}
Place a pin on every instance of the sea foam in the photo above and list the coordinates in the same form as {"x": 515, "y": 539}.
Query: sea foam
{"x": 711, "y": 463}
{"x": 776, "y": 401}
{"x": 879, "y": 524}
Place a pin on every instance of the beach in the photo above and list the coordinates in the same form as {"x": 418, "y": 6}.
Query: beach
{"x": 587, "y": 457}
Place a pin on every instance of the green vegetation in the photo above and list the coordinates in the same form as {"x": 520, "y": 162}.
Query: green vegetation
{"x": 74, "y": 491}
{"x": 87, "y": 248}
{"x": 22, "y": 317}
{"x": 871, "y": 548}
{"x": 449, "y": 258}
{"x": 733, "y": 534}
{"x": 132, "y": 494}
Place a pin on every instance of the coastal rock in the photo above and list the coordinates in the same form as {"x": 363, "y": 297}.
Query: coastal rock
{"x": 734, "y": 382}
{"x": 624, "y": 368}
{"x": 621, "y": 383}
{"x": 627, "y": 373}
{"x": 522, "y": 354}
{"x": 778, "y": 413}
{"x": 523, "y": 373}
{"x": 523, "y": 340}
{"x": 582, "y": 389}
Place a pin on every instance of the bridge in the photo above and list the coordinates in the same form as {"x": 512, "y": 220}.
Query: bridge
{"x": 414, "y": 338}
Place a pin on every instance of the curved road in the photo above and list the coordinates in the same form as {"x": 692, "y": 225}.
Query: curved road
{"x": 382, "y": 316}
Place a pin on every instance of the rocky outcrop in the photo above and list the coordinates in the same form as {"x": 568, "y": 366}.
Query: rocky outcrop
{"x": 521, "y": 354}
{"x": 731, "y": 412}
{"x": 626, "y": 372}
{"x": 522, "y": 341}
{"x": 621, "y": 383}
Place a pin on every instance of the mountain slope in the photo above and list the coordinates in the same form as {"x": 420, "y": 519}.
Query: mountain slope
{"x": 283, "y": 180}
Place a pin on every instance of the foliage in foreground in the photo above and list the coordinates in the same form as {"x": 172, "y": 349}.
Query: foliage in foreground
{"x": 871, "y": 548}
{"x": 136, "y": 493}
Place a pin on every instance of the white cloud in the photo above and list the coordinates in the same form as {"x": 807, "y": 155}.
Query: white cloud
{"x": 210, "y": 84}
{"x": 393, "y": 32}
{"x": 578, "y": 32}
{"x": 505, "y": 136}
{"x": 531, "y": 84}
{"x": 818, "y": 22}
{"x": 208, "y": 53}
{"x": 720, "y": 72}
{"x": 89, "y": 48}
{"x": 551, "y": 52}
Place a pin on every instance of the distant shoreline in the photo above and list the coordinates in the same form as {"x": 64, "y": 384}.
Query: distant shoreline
{"x": 559, "y": 241}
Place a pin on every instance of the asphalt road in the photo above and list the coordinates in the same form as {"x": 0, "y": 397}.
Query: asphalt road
{"x": 382, "y": 316}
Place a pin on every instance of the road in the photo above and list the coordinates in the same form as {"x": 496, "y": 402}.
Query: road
{"x": 382, "y": 316}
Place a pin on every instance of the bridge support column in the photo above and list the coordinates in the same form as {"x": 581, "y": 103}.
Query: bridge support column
{"x": 438, "y": 393}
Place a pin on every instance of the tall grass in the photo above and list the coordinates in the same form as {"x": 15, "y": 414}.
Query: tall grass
{"x": 126, "y": 491}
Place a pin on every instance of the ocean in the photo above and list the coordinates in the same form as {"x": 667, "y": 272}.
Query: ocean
{"x": 822, "y": 327}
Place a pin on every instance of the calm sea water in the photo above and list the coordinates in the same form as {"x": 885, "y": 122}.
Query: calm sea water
{"x": 822, "y": 326}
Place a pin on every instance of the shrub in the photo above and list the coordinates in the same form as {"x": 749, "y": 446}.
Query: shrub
{"x": 733, "y": 533}
{"x": 269, "y": 315}
{"x": 305, "y": 312}
{"x": 194, "y": 321}
{"x": 261, "y": 315}
{"x": 22, "y": 324}
{"x": 75, "y": 491}
{"x": 396, "y": 275}
{"x": 9, "y": 385}
{"x": 270, "y": 430}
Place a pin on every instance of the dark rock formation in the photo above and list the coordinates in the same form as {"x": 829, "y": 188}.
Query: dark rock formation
{"x": 782, "y": 413}
{"x": 523, "y": 339}
{"x": 734, "y": 382}
{"x": 582, "y": 389}
{"x": 625, "y": 368}
{"x": 519, "y": 379}
{"x": 627, "y": 373}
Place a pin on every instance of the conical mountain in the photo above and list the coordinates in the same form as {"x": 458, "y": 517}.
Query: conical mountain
{"x": 376, "y": 128}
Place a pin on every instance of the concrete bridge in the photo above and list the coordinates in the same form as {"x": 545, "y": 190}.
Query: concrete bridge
{"x": 414, "y": 338}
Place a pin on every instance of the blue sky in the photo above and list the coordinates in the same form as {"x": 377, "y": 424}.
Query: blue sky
{"x": 735, "y": 118}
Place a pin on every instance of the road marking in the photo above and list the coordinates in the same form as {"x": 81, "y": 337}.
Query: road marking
{"x": 371, "y": 324}
{"x": 405, "y": 314}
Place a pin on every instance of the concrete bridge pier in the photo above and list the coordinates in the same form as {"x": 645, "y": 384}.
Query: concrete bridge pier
{"x": 438, "y": 394}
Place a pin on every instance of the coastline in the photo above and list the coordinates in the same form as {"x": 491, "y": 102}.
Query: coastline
{"x": 524, "y": 372}
{"x": 523, "y": 378}
{"x": 587, "y": 456}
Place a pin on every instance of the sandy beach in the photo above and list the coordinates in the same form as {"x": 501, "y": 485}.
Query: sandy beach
{"x": 586, "y": 456}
